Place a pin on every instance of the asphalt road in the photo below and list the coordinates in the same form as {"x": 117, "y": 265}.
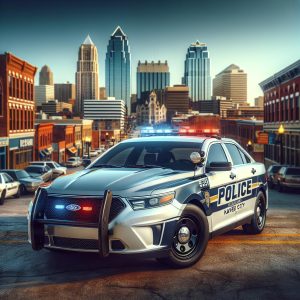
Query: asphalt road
{"x": 235, "y": 265}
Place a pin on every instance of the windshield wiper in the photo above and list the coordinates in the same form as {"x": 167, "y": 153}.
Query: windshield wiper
{"x": 144, "y": 166}
{"x": 106, "y": 166}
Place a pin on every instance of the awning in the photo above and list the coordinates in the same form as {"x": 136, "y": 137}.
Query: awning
{"x": 42, "y": 154}
{"x": 73, "y": 150}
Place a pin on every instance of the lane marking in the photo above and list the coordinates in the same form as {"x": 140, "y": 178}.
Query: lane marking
{"x": 271, "y": 242}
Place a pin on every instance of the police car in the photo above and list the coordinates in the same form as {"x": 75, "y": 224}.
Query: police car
{"x": 163, "y": 197}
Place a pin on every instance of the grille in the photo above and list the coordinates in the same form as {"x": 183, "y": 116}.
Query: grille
{"x": 75, "y": 243}
{"x": 80, "y": 216}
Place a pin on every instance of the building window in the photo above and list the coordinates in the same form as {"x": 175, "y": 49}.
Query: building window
{"x": 1, "y": 99}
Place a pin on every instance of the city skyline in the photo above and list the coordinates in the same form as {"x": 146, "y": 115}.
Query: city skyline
{"x": 246, "y": 33}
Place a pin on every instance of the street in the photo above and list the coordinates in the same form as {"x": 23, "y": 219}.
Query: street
{"x": 234, "y": 266}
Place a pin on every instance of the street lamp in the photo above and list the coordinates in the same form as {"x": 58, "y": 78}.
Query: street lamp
{"x": 280, "y": 134}
{"x": 113, "y": 140}
{"x": 88, "y": 144}
{"x": 249, "y": 146}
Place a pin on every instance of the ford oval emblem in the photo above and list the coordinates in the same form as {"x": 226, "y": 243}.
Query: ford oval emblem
{"x": 73, "y": 207}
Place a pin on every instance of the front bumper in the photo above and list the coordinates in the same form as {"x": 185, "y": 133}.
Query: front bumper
{"x": 147, "y": 231}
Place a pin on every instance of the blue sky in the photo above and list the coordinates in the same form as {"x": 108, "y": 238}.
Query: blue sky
{"x": 261, "y": 37}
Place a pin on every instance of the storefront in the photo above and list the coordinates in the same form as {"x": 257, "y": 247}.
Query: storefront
{"x": 20, "y": 152}
{"x": 3, "y": 147}
{"x": 59, "y": 152}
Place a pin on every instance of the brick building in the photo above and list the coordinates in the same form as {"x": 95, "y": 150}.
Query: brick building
{"x": 282, "y": 107}
{"x": 16, "y": 112}
{"x": 43, "y": 141}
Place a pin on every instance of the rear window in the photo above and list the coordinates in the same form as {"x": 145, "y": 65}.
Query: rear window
{"x": 274, "y": 169}
{"x": 293, "y": 171}
{"x": 33, "y": 168}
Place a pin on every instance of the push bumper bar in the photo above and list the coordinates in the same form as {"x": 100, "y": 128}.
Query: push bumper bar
{"x": 38, "y": 222}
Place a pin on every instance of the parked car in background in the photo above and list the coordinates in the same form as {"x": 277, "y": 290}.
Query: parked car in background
{"x": 272, "y": 175}
{"x": 8, "y": 187}
{"x": 93, "y": 153}
{"x": 86, "y": 162}
{"x": 74, "y": 162}
{"x": 56, "y": 168}
{"x": 288, "y": 177}
{"x": 27, "y": 183}
{"x": 41, "y": 172}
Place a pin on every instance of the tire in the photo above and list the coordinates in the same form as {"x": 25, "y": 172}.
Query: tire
{"x": 18, "y": 194}
{"x": 22, "y": 189}
{"x": 271, "y": 184}
{"x": 2, "y": 198}
{"x": 184, "y": 254}
{"x": 258, "y": 221}
{"x": 280, "y": 188}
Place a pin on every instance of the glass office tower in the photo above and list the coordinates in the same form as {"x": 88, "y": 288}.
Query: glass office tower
{"x": 197, "y": 72}
{"x": 118, "y": 67}
{"x": 151, "y": 76}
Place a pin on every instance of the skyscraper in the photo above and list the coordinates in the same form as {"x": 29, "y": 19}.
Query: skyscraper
{"x": 46, "y": 76}
{"x": 87, "y": 80}
{"x": 197, "y": 72}
{"x": 232, "y": 84}
{"x": 63, "y": 92}
{"x": 151, "y": 76}
{"x": 117, "y": 67}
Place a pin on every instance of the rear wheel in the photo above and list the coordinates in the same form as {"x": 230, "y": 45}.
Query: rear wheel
{"x": 22, "y": 189}
{"x": 258, "y": 221}
{"x": 18, "y": 193}
{"x": 2, "y": 197}
{"x": 190, "y": 238}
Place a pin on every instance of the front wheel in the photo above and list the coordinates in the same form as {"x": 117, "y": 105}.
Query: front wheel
{"x": 18, "y": 194}
{"x": 258, "y": 221}
{"x": 2, "y": 197}
{"x": 190, "y": 238}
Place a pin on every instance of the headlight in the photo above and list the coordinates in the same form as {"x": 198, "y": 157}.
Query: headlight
{"x": 150, "y": 202}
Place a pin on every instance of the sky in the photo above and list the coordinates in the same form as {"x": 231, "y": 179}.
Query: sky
{"x": 260, "y": 36}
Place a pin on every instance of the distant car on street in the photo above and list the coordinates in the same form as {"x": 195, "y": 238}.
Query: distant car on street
{"x": 74, "y": 162}
{"x": 8, "y": 187}
{"x": 272, "y": 175}
{"x": 27, "y": 183}
{"x": 86, "y": 162}
{"x": 56, "y": 168}
{"x": 41, "y": 172}
{"x": 288, "y": 177}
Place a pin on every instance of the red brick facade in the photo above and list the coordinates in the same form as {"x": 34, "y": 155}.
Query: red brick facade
{"x": 16, "y": 111}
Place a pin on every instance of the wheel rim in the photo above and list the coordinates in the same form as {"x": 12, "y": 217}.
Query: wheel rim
{"x": 186, "y": 238}
{"x": 260, "y": 213}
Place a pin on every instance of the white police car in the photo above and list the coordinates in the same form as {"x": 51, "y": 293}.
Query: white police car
{"x": 158, "y": 196}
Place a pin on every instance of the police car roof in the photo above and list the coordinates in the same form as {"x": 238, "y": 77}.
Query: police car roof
{"x": 167, "y": 139}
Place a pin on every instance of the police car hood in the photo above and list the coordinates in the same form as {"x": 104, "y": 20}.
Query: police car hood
{"x": 124, "y": 182}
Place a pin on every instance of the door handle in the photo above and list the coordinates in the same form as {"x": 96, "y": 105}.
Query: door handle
{"x": 253, "y": 171}
{"x": 232, "y": 176}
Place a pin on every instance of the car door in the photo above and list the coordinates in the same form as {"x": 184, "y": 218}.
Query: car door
{"x": 221, "y": 213}
{"x": 246, "y": 179}
{"x": 9, "y": 186}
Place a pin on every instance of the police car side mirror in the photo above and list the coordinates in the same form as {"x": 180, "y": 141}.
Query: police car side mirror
{"x": 216, "y": 166}
{"x": 195, "y": 158}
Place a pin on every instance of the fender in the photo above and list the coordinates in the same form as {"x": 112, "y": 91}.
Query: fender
{"x": 199, "y": 201}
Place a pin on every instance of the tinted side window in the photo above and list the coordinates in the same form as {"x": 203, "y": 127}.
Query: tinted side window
{"x": 1, "y": 181}
{"x": 216, "y": 154}
{"x": 245, "y": 158}
{"x": 235, "y": 154}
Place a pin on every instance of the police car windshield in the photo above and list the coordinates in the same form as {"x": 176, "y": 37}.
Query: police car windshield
{"x": 150, "y": 154}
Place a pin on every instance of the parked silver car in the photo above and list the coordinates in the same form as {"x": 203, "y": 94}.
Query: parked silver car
{"x": 27, "y": 183}
{"x": 74, "y": 162}
{"x": 56, "y": 168}
{"x": 43, "y": 172}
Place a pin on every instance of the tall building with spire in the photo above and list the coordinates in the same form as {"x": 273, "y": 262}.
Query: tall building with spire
{"x": 118, "y": 67}
{"x": 46, "y": 76}
{"x": 197, "y": 72}
{"x": 87, "y": 78}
